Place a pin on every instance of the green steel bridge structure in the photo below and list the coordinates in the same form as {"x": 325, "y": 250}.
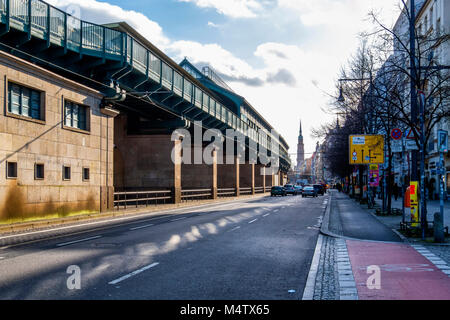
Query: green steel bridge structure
{"x": 131, "y": 72}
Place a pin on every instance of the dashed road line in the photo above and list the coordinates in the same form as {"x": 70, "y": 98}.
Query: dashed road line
{"x": 142, "y": 227}
{"x": 266, "y": 215}
{"x": 77, "y": 241}
{"x": 253, "y": 221}
{"x": 127, "y": 276}
{"x": 234, "y": 229}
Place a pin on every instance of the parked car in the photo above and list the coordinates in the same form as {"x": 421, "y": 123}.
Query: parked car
{"x": 298, "y": 189}
{"x": 278, "y": 191}
{"x": 309, "y": 191}
{"x": 320, "y": 189}
{"x": 290, "y": 189}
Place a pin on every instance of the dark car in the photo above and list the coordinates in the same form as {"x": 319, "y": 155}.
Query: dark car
{"x": 298, "y": 189}
{"x": 320, "y": 189}
{"x": 278, "y": 191}
{"x": 309, "y": 191}
{"x": 290, "y": 189}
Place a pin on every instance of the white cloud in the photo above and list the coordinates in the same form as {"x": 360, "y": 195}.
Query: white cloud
{"x": 231, "y": 8}
{"x": 340, "y": 13}
{"x": 212, "y": 24}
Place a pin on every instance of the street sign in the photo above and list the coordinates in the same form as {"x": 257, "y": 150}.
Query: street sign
{"x": 397, "y": 146}
{"x": 411, "y": 145}
{"x": 442, "y": 141}
{"x": 374, "y": 175}
{"x": 366, "y": 149}
{"x": 396, "y": 134}
{"x": 409, "y": 134}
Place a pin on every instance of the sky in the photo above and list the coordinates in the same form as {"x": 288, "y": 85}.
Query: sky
{"x": 283, "y": 56}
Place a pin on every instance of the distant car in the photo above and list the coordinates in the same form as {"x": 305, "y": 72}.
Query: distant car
{"x": 290, "y": 189}
{"x": 309, "y": 191}
{"x": 320, "y": 189}
{"x": 298, "y": 189}
{"x": 278, "y": 191}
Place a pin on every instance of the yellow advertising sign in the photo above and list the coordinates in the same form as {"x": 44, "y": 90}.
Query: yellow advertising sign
{"x": 414, "y": 196}
{"x": 366, "y": 149}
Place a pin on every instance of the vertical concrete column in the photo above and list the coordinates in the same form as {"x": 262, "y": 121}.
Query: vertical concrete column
{"x": 237, "y": 175}
{"x": 176, "y": 190}
{"x": 214, "y": 175}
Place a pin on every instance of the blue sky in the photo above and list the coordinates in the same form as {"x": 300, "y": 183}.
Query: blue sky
{"x": 281, "y": 55}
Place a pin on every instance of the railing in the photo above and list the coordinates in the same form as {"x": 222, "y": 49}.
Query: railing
{"x": 259, "y": 189}
{"x": 141, "y": 198}
{"x": 196, "y": 194}
{"x": 58, "y": 27}
{"x": 226, "y": 192}
{"x": 245, "y": 190}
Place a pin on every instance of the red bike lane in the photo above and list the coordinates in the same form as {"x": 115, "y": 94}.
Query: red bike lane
{"x": 404, "y": 274}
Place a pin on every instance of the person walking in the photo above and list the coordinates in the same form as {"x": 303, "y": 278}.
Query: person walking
{"x": 395, "y": 191}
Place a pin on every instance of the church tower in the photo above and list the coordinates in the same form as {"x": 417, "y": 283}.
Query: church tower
{"x": 300, "y": 149}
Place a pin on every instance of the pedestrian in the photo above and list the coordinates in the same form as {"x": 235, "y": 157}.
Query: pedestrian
{"x": 396, "y": 191}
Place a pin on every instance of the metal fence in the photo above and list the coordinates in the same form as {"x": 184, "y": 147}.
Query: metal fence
{"x": 136, "y": 199}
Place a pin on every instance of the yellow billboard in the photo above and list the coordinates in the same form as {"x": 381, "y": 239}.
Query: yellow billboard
{"x": 366, "y": 149}
{"x": 414, "y": 191}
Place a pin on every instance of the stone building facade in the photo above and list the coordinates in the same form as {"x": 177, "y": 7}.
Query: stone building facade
{"x": 56, "y": 146}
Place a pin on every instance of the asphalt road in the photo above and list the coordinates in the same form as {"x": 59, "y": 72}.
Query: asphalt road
{"x": 257, "y": 249}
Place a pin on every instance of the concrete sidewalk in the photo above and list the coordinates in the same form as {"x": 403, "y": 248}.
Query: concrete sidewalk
{"x": 347, "y": 218}
{"x": 363, "y": 258}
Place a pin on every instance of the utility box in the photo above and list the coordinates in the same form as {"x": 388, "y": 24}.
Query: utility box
{"x": 408, "y": 198}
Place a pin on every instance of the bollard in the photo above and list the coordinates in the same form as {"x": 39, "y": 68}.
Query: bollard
{"x": 439, "y": 236}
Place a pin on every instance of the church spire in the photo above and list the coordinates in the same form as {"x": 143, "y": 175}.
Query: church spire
{"x": 301, "y": 134}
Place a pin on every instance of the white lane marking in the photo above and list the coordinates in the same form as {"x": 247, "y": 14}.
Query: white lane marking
{"x": 2, "y": 258}
{"x": 127, "y": 276}
{"x": 267, "y": 214}
{"x": 276, "y": 210}
{"x": 77, "y": 241}
{"x": 253, "y": 221}
{"x": 234, "y": 229}
{"x": 142, "y": 227}
{"x": 173, "y": 220}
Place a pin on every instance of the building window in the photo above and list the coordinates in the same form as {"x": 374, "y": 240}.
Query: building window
{"x": 11, "y": 170}
{"x": 24, "y": 101}
{"x": 86, "y": 175}
{"x": 39, "y": 171}
{"x": 66, "y": 173}
{"x": 75, "y": 115}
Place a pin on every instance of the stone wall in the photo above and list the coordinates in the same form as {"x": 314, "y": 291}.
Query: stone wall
{"x": 47, "y": 141}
